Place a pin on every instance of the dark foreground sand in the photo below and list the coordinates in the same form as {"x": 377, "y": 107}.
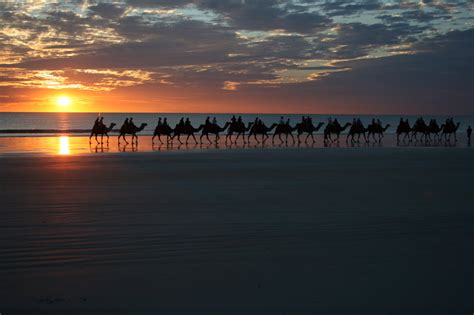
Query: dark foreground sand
{"x": 326, "y": 231}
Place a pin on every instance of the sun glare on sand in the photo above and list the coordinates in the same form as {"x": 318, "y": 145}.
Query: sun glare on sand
{"x": 63, "y": 101}
{"x": 64, "y": 145}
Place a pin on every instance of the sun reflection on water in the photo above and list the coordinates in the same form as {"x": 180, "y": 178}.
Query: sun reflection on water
{"x": 64, "y": 145}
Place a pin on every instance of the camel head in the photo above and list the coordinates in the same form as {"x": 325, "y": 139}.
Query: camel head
{"x": 112, "y": 125}
{"x": 142, "y": 126}
{"x": 345, "y": 126}
{"x": 319, "y": 126}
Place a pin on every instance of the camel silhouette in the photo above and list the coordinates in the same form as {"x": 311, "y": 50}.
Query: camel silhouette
{"x": 238, "y": 128}
{"x": 283, "y": 129}
{"x": 185, "y": 130}
{"x": 334, "y": 129}
{"x": 260, "y": 129}
{"x": 404, "y": 129}
{"x": 308, "y": 128}
{"x": 359, "y": 130}
{"x": 130, "y": 130}
{"x": 101, "y": 130}
{"x": 450, "y": 130}
{"x": 162, "y": 130}
{"x": 376, "y": 129}
{"x": 214, "y": 129}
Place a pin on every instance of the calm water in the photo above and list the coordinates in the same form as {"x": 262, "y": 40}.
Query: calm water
{"x": 65, "y": 121}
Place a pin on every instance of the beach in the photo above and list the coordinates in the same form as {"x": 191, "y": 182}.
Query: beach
{"x": 277, "y": 230}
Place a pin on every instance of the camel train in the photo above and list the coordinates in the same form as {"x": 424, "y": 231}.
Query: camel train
{"x": 283, "y": 131}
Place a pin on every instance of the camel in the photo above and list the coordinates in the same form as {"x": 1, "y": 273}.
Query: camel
{"x": 357, "y": 129}
{"x": 130, "y": 130}
{"x": 162, "y": 130}
{"x": 336, "y": 129}
{"x": 101, "y": 130}
{"x": 212, "y": 129}
{"x": 260, "y": 129}
{"x": 186, "y": 130}
{"x": 404, "y": 128}
{"x": 374, "y": 129}
{"x": 449, "y": 130}
{"x": 238, "y": 128}
{"x": 435, "y": 129}
{"x": 420, "y": 127}
{"x": 283, "y": 129}
{"x": 308, "y": 128}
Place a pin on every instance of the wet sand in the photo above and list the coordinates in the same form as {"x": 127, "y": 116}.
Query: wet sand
{"x": 334, "y": 231}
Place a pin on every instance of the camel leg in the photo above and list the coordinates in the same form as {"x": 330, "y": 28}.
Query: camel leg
{"x": 207, "y": 137}
{"x": 107, "y": 137}
{"x": 279, "y": 137}
{"x": 194, "y": 138}
{"x": 90, "y": 138}
{"x": 200, "y": 138}
{"x": 292, "y": 138}
{"x": 217, "y": 138}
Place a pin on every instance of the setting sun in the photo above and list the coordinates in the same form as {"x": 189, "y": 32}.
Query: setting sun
{"x": 63, "y": 101}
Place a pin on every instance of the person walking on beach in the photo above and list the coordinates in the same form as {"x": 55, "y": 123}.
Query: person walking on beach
{"x": 469, "y": 132}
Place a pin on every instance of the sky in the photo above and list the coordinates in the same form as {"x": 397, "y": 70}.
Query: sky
{"x": 238, "y": 56}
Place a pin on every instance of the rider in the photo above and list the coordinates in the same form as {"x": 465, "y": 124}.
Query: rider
{"x": 282, "y": 121}
{"x": 126, "y": 123}
{"x": 101, "y": 122}
{"x": 233, "y": 119}
{"x": 288, "y": 122}
{"x": 214, "y": 121}
{"x": 208, "y": 121}
{"x": 165, "y": 122}
{"x": 159, "y": 122}
{"x": 188, "y": 122}
{"x": 130, "y": 123}
{"x": 239, "y": 120}
{"x": 336, "y": 123}
{"x": 181, "y": 122}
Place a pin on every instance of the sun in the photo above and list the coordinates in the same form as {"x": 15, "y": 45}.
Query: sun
{"x": 63, "y": 101}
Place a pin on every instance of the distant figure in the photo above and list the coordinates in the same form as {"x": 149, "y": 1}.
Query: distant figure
{"x": 96, "y": 122}
{"x": 469, "y": 132}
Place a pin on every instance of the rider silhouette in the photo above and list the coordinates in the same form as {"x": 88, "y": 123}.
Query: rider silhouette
{"x": 131, "y": 123}
{"x": 165, "y": 122}
{"x": 282, "y": 122}
{"x": 214, "y": 121}
{"x": 159, "y": 121}
{"x": 188, "y": 122}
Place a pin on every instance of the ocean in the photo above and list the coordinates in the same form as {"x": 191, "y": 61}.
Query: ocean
{"x": 64, "y": 122}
